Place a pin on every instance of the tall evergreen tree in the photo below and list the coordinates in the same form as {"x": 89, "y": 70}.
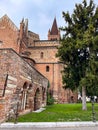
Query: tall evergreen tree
{"x": 79, "y": 47}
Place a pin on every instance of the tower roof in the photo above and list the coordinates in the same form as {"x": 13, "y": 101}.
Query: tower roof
{"x": 54, "y": 29}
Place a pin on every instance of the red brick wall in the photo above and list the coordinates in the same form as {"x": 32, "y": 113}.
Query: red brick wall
{"x": 2, "y": 109}
{"x": 23, "y": 73}
{"x": 8, "y": 34}
{"x": 49, "y": 50}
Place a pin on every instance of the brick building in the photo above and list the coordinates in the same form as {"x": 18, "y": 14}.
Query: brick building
{"x": 44, "y": 54}
{"x": 27, "y": 66}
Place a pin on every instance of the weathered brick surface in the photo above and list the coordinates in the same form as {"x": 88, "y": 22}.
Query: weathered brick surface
{"x": 20, "y": 72}
{"x": 2, "y": 109}
{"x": 8, "y": 34}
{"x": 54, "y": 75}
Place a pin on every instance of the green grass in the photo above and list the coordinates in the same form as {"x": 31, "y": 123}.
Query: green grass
{"x": 61, "y": 113}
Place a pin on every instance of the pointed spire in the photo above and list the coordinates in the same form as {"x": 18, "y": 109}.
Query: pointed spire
{"x": 54, "y": 29}
{"x": 54, "y": 33}
{"x": 21, "y": 28}
{"x": 22, "y": 21}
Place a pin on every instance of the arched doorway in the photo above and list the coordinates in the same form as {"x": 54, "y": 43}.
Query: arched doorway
{"x": 37, "y": 100}
{"x": 30, "y": 97}
{"x": 43, "y": 96}
{"x": 24, "y": 96}
{"x": 43, "y": 93}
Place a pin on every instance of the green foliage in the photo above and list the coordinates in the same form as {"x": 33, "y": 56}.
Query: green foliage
{"x": 50, "y": 99}
{"x": 79, "y": 47}
{"x": 48, "y": 84}
{"x": 91, "y": 87}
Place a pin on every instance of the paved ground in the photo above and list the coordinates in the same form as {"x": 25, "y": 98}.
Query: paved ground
{"x": 50, "y": 126}
{"x": 78, "y": 128}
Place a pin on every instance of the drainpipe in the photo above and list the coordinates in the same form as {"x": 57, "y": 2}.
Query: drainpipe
{"x": 53, "y": 80}
{"x": 5, "y": 85}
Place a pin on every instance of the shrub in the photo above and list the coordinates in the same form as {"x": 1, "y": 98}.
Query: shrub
{"x": 50, "y": 99}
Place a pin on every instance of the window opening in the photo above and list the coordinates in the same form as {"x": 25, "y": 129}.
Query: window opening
{"x": 47, "y": 68}
{"x": 42, "y": 54}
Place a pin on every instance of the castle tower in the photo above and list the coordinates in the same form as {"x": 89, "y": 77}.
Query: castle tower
{"x": 54, "y": 33}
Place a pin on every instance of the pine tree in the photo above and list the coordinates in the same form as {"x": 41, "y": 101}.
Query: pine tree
{"x": 79, "y": 47}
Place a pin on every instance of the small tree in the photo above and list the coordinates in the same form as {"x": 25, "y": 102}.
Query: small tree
{"x": 79, "y": 46}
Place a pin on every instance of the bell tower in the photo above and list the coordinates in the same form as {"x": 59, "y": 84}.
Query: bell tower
{"x": 54, "y": 33}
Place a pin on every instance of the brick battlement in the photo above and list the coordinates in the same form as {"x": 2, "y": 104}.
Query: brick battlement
{"x": 45, "y": 43}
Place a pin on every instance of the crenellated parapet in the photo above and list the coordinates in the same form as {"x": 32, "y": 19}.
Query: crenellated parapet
{"x": 45, "y": 43}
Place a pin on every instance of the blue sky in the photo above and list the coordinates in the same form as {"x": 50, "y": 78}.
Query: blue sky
{"x": 40, "y": 13}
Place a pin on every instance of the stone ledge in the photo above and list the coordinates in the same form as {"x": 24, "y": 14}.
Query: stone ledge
{"x": 48, "y": 124}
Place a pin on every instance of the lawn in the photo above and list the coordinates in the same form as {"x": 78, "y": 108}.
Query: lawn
{"x": 61, "y": 113}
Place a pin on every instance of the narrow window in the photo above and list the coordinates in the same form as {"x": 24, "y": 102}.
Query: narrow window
{"x": 42, "y": 54}
{"x": 47, "y": 68}
{"x": 1, "y": 42}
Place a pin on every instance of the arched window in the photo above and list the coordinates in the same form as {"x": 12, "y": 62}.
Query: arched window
{"x": 41, "y": 55}
{"x": 47, "y": 68}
